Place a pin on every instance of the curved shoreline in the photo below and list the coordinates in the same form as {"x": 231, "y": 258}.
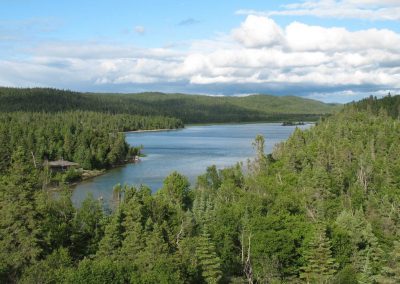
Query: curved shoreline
{"x": 153, "y": 130}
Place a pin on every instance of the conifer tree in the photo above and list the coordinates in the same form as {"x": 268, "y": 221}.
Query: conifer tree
{"x": 19, "y": 222}
{"x": 88, "y": 227}
{"x": 366, "y": 275}
{"x": 175, "y": 189}
{"x": 368, "y": 260}
{"x": 319, "y": 265}
{"x": 391, "y": 271}
{"x": 112, "y": 240}
{"x": 209, "y": 261}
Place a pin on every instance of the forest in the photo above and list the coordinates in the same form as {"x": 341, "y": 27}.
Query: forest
{"x": 323, "y": 207}
{"x": 188, "y": 108}
{"x": 93, "y": 140}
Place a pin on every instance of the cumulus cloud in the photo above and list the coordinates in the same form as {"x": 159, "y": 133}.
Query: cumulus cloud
{"x": 375, "y": 10}
{"x": 259, "y": 56}
{"x": 306, "y": 37}
{"x": 258, "y": 32}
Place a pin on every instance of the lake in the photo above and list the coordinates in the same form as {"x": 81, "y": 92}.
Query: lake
{"x": 189, "y": 151}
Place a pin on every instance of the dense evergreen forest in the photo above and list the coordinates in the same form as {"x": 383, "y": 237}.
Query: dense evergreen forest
{"x": 188, "y": 108}
{"x": 94, "y": 140}
{"x": 324, "y": 207}
{"x": 389, "y": 104}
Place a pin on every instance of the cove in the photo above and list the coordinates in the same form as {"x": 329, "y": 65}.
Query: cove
{"x": 189, "y": 151}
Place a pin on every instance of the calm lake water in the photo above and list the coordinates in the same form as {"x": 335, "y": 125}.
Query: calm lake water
{"x": 189, "y": 151}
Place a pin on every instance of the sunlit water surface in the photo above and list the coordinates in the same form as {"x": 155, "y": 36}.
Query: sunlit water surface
{"x": 189, "y": 151}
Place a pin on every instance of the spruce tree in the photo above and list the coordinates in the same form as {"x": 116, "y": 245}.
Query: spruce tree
{"x": 210, "y": 263}
{"x": 368, "y": 261}
{"x": 319, "y": 265}
{"x": 19, "y": 222}
{"x": 391, "y": 271}
{"x": 110, "y": 244}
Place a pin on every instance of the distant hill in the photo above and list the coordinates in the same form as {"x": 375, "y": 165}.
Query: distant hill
{"x": 189, "y": 108}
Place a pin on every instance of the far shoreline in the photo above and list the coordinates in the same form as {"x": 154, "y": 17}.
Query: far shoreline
{"x": 106, "y": 170}
{"x": 241, "y": 123}
{"x": 208, "y": 124}
{"x": 153, "y": 130}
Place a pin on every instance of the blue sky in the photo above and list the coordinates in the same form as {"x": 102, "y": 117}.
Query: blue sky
{"x": 328, "y": 50}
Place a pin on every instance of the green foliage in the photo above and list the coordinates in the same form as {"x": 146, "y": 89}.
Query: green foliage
{"x": 209, "y": 261}
{"x": 71, "y": 175}
{"x": 88, "y": 228}
{"x": 389, "y": 105}
{"x": 188, "y": 108}
{"x": 391, "y": 271}
{"x": 19, "y": 222}
{"x": 94, "y": 140}
{"x": 324, "y": 207}
{"x": 97, "y": 271}
{"x": 176, "y": 189}
{"x": 319, "y": 266}
{"x": 53, "y": 269}
{"x": 347, "y": 275}
{"x": 57, "y": 220}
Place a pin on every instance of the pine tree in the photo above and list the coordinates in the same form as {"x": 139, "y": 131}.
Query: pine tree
{"x": 319, "y": 266}
{"x": 19, "y": 222}
{"x": 391, "y": 271}
{"x": 88, "y": 227}
{"x": 209, "y": 261}
{"x": 366, "y": 275}
{"x": 112, "y": 240}
{"x": 368, "y": 261}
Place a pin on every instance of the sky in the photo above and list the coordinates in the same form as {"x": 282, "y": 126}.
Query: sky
{"x": 330, "y": 50}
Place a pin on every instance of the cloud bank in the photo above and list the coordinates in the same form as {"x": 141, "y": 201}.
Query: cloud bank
{"x": 375, "y": 10}
{"x": 259, "y": 56}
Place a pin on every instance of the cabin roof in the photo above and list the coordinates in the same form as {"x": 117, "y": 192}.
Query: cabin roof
{"x": 61, "y": 163}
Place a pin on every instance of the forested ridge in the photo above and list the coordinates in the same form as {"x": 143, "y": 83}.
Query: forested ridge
{"x": 188, "y": 108}
{"x": 324, "y": 207}
{"x": 389, "y": 104}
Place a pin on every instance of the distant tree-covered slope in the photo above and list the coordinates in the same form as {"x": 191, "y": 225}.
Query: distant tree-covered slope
{"x": 189, "y": 108}
{"x": 389, "y": 104}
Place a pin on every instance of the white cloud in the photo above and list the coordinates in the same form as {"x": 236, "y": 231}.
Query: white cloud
{"x": 374, "y": 10}
{"x": 258, "y": 32}
{"x": 305, "y": 37}
{"x": 258, "y": 56}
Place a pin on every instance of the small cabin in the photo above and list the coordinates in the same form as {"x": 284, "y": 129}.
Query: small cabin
{"x": 61, "y": 165}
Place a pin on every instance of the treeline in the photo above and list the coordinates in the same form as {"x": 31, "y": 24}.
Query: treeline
{"x": 94, "y": 140}
{"x": 389, "y": 104}
{"x": 324, "y": 207}
{"x": 188, "y": 108}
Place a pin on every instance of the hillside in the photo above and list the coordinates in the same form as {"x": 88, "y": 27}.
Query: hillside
{"x": 188, "y": 108}
{"x": 389, "y": 104}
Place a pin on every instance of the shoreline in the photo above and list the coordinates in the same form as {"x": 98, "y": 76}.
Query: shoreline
{"x": 89, "y": 175}
{"x": 96, "y": 173}
{"x": 208, "y": 124}
{"x": 153, "y": 130}
{"x": 242, "y": 123}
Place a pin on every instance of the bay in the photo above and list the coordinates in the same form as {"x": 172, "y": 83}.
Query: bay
{"x": 189, "y": 151}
